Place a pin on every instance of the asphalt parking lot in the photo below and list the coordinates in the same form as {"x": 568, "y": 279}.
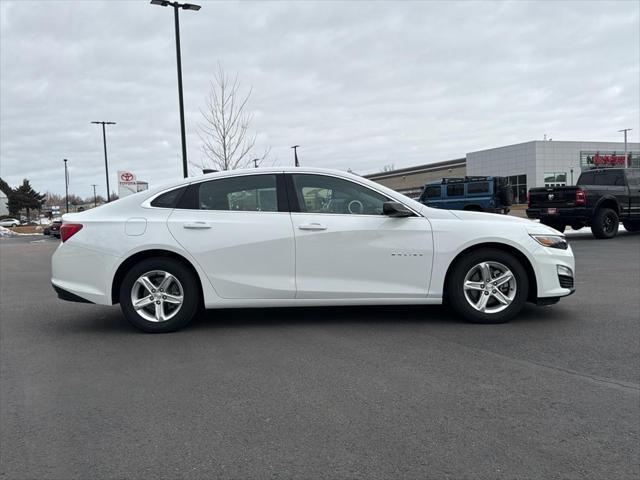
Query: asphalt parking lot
{"x": 323, "y": 393}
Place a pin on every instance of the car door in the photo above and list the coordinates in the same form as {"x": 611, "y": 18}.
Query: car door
{"x": 347, "y": 248}
{"x": 239, "y": 231}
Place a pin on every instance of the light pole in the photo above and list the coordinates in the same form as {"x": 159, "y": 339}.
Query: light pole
{"x": 571, "y": 175}
{"x": 625, "y": 130}
{"x": 95, "y": 198}
{"x": 106, "y": 165}
{"x": 66, "y": 184}
{"x": 176, "y": 6}
{"x": 295, "y": 155}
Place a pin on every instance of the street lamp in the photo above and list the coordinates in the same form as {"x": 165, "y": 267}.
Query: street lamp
{"x": 95, "y": 198}
{"x": 104, "y": 142}
{"x": 176, "y": 6}
{"x": 66, "y": 183}
{"x": 295, "y": 155}
{"x": 625, "y": 130}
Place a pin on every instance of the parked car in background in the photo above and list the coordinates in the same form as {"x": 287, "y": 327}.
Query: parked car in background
{"x": 301, "y": 237}
{"x": 54, "y": 228}
{"x": 476, "y": 194}
{"x": 601, "y": 199}
{"x": 9, "y": 222}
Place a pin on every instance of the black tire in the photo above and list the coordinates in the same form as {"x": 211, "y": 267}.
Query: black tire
{"x": 555, "y": 224}
{"x": 605, "y": 223}
{"x": 631, "y": 225}
{"x": 576, "y": 226}
{"x": 190, "y": 295}
{"x": 455, "y": 292}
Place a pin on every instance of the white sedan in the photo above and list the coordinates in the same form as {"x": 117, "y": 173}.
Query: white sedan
{"x": 301, "y": 237}
{"x": 9, "y": 222}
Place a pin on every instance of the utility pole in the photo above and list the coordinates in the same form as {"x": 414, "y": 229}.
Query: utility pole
{"x": 628, "y": 160}
{"x": 66, "y": 184}
{"x": 295, "y": 155}
{"x": 104, "y": 142}
{"x": 95, "y": 198}
{"x": 176, "y": 6}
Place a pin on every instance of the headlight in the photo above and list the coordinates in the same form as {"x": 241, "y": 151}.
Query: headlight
{"x": 551, "y": 241}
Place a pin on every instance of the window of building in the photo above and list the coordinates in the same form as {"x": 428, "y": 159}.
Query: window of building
{"x": 555, "y": 179}
{"x": 253, "y": 193}
{"x": 519, "y": 187}
{"x": 455, "y": 190}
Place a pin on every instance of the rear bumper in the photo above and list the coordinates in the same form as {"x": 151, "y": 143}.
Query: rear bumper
{"x": 569, "y": 214}
{"x": 68, "y": 296}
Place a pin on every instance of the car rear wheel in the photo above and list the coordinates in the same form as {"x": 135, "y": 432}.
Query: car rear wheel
{"x": 159, "y": 295}
{"x": 605, "y": 223}
{"x": 487, "y": 286}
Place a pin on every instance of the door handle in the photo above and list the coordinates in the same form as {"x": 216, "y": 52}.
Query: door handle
{"x": 312, "y": 226}
{"x": 196, "y": 225}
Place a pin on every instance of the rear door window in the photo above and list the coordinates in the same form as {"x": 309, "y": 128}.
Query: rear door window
{"x": 614, "y": 178}
{"x": 478, "y": 188}
{"x": 586, "y": 179}
{"x": 455, "y": 190}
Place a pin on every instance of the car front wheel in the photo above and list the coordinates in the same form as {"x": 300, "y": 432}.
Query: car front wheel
{"x": 487, "y": 286}
{"x": 159, "y": 295}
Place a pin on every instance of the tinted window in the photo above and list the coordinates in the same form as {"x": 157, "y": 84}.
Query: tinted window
{"x": 168, "y": 199}
{"x": 633, "y": 177}
{"x": 432, "y": 191}
{"x": 323, "y": 194}
{"x": 478, "y": 187}
{"x": 455, "y": 190}
{"x": 252, "y": 193}
{"x": 586, "y": 179}
{"x": 610, "y": 177}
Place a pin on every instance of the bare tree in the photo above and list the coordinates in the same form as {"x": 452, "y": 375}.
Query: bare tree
{"x": 224, "y": 131}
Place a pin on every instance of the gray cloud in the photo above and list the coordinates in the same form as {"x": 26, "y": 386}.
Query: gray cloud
{"x": 357, "y": 84}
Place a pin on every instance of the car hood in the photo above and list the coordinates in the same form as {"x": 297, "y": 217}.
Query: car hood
{"x": 531, "y": 226}
{"x": 492, "y": 217}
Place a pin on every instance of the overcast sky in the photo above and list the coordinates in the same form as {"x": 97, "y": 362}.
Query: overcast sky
{"x": 358, "y": 84}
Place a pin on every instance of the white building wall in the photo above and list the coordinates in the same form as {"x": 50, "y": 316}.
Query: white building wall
{"x": 4, "y": 209}
{"x": 537, "y": 158}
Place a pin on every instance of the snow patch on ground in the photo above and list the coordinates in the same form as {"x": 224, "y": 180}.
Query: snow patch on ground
{"x": 5, "y": 232}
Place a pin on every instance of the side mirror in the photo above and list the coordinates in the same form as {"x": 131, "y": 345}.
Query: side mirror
{"x": 396, "y": 209}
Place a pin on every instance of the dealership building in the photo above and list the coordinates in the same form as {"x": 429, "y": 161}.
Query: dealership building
{"x": 537, "y": 163}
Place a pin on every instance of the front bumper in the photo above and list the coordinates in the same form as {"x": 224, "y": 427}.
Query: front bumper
{"x": 551, "y": 266}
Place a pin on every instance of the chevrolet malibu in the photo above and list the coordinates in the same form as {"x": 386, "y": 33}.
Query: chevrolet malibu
{"x": 301, "y": 237}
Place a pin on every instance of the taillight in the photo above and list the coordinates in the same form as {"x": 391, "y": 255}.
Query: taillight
{"x": 68, "y": 230}
{"x": 581, "y": 197}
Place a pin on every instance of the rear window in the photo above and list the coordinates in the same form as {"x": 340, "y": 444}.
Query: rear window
{"x": 455, "y": 190}
{"x": 610, "y": 178}
{"x": 586, "y": 179}
{"x": 476, "y": 188}
{"x": 168, "y": 199}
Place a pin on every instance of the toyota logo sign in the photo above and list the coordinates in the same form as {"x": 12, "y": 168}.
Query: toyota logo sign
{"x": 126, "y": 176}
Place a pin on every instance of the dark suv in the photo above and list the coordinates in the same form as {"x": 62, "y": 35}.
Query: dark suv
{"x": 601, "y": 199}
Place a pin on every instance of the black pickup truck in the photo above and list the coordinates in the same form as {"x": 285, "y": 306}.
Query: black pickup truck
{"x": 601, "y": 200}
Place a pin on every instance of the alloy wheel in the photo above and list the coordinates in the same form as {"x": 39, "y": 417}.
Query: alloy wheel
{"x": 157, "y": 296}
{"x": 490, "y": 287}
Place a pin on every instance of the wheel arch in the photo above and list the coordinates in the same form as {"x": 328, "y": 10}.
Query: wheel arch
{"x": 526, "y": 263}
{"x": 609, "y": 202}
{"x": 124, "y": 267}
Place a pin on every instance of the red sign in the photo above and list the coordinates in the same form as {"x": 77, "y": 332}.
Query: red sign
{"x": 609, "y": 160}
{"x": 126, "y": 176}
